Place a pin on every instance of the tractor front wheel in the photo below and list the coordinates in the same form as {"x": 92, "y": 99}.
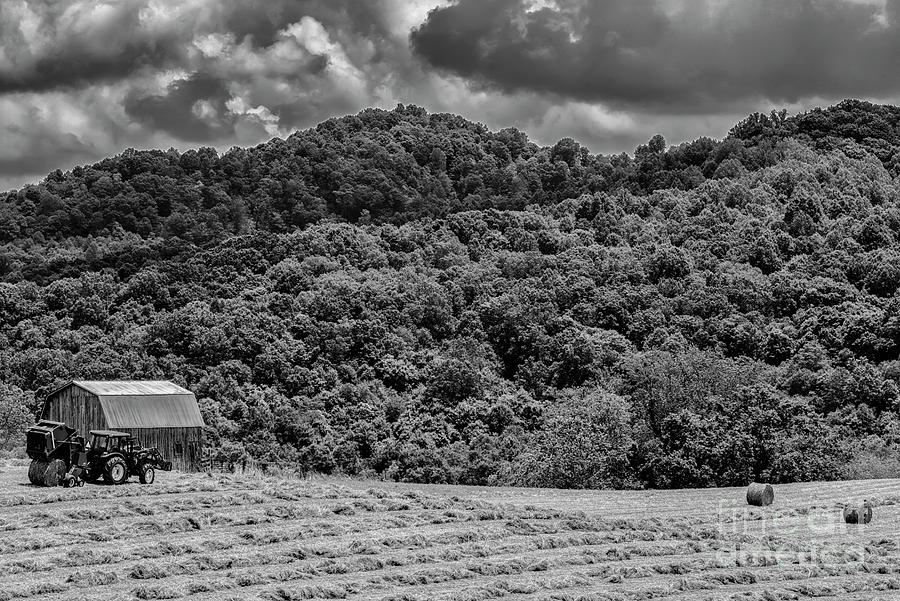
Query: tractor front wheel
{"x": 147, "y": 474}
{"x": 115, "y": 471}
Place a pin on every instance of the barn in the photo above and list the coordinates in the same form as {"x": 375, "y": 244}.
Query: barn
{"x": 158, "y": 413}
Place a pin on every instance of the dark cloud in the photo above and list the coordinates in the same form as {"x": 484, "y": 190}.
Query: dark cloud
{"x": 192, "y": 109}
{"x": 56, "y": 45}
{"x": 693, "y": 56}
{"x": 51, "y": 45}
{"x": 46, "y": 151}
{"x": 41, "y": 133}
{"x": 70, "y": 70}
{"x": 84, "y": 79}
{"x": 261, "y": 22}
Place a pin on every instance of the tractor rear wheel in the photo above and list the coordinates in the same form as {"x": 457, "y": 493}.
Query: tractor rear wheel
{"x": 55, "y": 472}
{"x": 146, "y": 474}
{"x": 115, "y": 471}
{"x": 36, "y": 472}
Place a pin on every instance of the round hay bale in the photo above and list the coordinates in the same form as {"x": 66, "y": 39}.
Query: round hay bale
{"x": 36, "y": 472}
{"x": 858, "y": 514}
{"x": 760, "y": 494}
{"x": 55, "y": 472}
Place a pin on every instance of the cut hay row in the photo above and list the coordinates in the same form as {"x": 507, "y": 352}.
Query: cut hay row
{"x": 184, "y": 486}
{"x": 452, "y": 546}
{"x": 313, "y": 530}
{"x": 514, "y": 565}
{"x": 43, "y": 496}
{"x": 456, "y": 584}
{"x": 332, "y": 553}
{"x": 138, "y": 526}
{"x": 129, "y": 509}
{"x": 331, "y": 567}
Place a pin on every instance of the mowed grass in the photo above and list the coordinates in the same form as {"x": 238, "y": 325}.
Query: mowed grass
{"x": 193, "y": 536}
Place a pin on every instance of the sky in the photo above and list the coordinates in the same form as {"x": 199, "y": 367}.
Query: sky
{"x": 84, "y": 79}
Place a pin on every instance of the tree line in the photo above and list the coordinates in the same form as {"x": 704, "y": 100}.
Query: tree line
{"x": 412, "y": 296}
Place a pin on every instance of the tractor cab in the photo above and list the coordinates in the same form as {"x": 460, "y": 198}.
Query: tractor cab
{"x": 110, "y": 441}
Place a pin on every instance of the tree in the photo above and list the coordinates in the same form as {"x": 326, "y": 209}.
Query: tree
{"x": 14, "y": 415}
{"x": 584, "y": 444}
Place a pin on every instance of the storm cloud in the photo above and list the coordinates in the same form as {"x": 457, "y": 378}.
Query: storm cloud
{"x": 148, "y": 73}
{"x": 84, "y": 79}
{"x": 692, "y": 56}
{"x": 51, "y": 45}
{"x": 191, "y": 109}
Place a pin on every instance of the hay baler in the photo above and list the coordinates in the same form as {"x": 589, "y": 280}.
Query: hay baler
{"x": 55, "y": 450}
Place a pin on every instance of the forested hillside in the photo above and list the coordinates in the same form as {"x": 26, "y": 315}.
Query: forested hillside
{"x": 413, "y": 296}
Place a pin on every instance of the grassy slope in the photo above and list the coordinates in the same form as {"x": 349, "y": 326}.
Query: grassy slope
{"x": 222, "y": 537}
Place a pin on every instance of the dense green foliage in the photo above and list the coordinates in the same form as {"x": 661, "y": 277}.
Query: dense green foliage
{"x": 414, "y": 296}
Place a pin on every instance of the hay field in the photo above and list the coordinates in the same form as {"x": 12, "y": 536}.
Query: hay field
{"x": 214, "y": 538}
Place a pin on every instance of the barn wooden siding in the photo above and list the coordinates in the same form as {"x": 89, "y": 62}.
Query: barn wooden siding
{"x": 166, "y": 439}
{"x": 85, "y": 411}
{"x": 76, "y": 407}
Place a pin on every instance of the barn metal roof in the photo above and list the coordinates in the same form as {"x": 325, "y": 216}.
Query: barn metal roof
{"x": 145, "y": 404}
{"x": 152, "y": 411}
{"x": 130, "y": 387}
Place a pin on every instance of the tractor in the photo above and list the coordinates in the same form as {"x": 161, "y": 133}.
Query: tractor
{"x": 59, "y": 456}
{"x": 116, "y": 456}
